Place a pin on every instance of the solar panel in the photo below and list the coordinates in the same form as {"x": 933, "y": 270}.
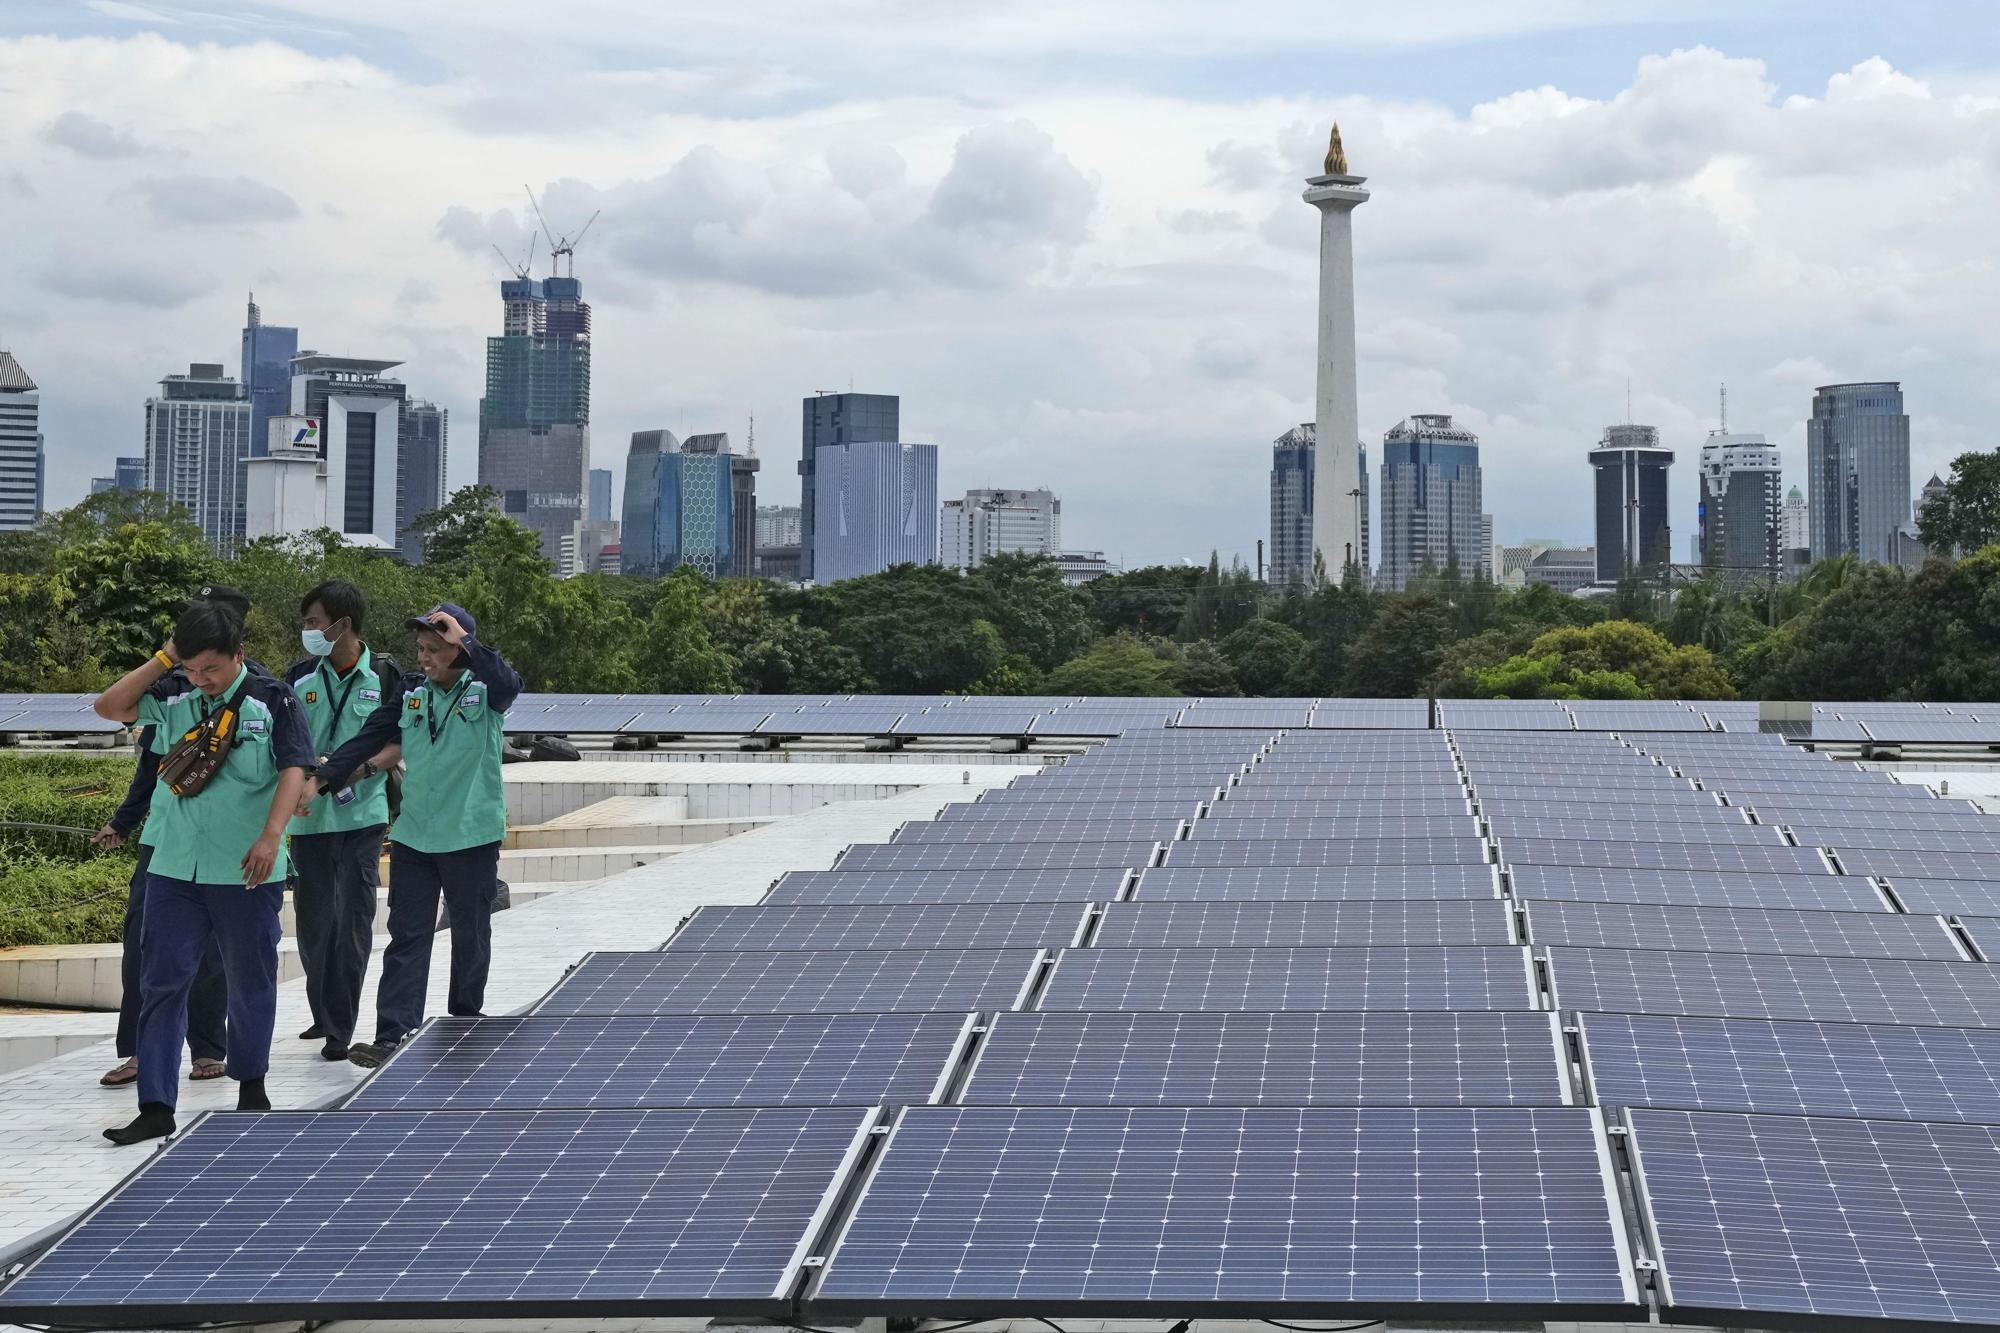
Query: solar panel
{"x": 64, "y": 719}
{"x": 1040, "y": 830}
{"x": 835, "y": 720}
{"x": 824, "y": 981}
{"x": 997, "y": 856}
{"x": 1276, "y": 715}
{"x": 1462, "y": 714}
{"x": 1959, "y": 815}
{"x": 1557, "y": 790}
{"x": 1013, "y": 721}
{"x": 721, "y": 719}
{"x": 1698, "y": 807}
{"x": 985, "y": 1210}
{"x": 1270, "y": 924}
{"x": 1479, "y": 1058}
{"x": 1741, "y": 985}
{"x": 1348, "y": 713}
{"x": 1747, "y": 1064}
{"x": 1528, "y": 827}
{"x": 1696, "y": 888}
{"x": 802, "y": 887}
{"x": 1918, "y": 864}
{"x": 450, "y": 1214}
{"x": 1774, "y": 860}
{"x": 1823, "y": 1217}
{"x": 1331, "y": 852}
{"x": 1021, "y": 925}
{"x": 1420, "y": 977}
{"x": 1950, "y": 731}
{"x": 1985, "y": 933}
{"x": 1892, "y": 800}
{"x": 571, "y": 719}
{"x": 1275, "y": 883}
{"x": 1342, "y": 814}
{"x": 1848, "y": 837}
{"x": 980, "y": 812}
{"x": 1741, "y": 930}
{"x": 1292, "y": 828}
{"x": 675, "y": 1060}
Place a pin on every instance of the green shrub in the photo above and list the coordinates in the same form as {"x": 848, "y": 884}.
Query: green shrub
{"x": 70, "y": 790}
{"x": 47, "y": 902}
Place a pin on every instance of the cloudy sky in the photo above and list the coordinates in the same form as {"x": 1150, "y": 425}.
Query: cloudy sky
{"x": 1070, "y": 236}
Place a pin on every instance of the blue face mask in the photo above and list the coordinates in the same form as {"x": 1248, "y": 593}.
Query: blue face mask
{"x": 315, "y": 642}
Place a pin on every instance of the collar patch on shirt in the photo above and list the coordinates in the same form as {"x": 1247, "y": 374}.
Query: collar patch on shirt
{"x": 416, "y": 703}
{"x": 312, "y": 696}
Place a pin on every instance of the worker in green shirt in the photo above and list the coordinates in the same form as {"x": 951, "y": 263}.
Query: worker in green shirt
{"x": 448, "y": 731}
{"x": 337, "y": 847}
{"x": 234, "y": 758}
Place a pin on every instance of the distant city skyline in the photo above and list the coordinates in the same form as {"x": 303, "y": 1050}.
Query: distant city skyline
{"x": 983, "y": 240}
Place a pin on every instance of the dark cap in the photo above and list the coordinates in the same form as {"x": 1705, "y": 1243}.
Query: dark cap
{"x": 223, "y": 595}
{"x": 456, "y": 612}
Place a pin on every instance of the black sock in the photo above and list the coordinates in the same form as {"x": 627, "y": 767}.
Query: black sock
{"x": 250, "y": 1095}
{"x": 154, "y": 1121}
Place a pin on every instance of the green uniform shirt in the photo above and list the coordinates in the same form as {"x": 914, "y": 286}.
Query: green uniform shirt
{"x": 336, "y": 707}
{"x": 205, "y": 837}
{"x": 452, "y": 736}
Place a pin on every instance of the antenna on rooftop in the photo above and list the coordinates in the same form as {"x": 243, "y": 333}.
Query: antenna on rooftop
{"x": 560, "y": 246}
{"x": 1628, "y": 400}
{"x": 752, "y": 447}
{"x": 1725, "y": 409}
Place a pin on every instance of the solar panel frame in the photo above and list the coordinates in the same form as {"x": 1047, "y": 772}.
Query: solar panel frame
{"x": 1506, "y": 827}
{"x": 968, "y": 831}
{"x": 1719, "y": 857}
{"x": 1304, "y": 922}
{"x": 1805, "y": 1195}
{"x": 475, "y": 1173}
{"x": 674, "y": 1060}
{"x": 1454, "y": 976}
{"x": 613, "y": 985}
{"x": 1332, "y": 883}
{"x": 1740, "y": 930}
{"x": 997, "y": 856}
{"x": 920, "y": 1241}
{"x": 765, "y": 928}
{"x": 1693, "y": 888}
{"x": 1467, "y": 850}
{"x": 1876, "y": 838}
{"x": 861, "y": 888}
{"x": 1892, "y": 864}
{"x": 1791, "y": 1067}
{"x": 1481, "y": 1057}
{"x": 1286, "y": 828}
{"x": 1902, "y": 817}
{"x": 1359, "y": 812}
{"x": 1901, "y": 991}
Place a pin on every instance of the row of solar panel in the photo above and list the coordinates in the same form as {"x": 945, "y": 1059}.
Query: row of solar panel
{"x": 978, "y": 1210}
{"x": 1924, "y": 991}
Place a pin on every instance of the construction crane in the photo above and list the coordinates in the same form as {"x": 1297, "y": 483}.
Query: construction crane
{"x": 521, "y": 269}
{"x": 560, "y": 247}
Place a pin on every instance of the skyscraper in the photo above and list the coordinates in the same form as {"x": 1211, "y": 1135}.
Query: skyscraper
{"x": 128, "y": 474}
{"x": 987, "y": 523}
{"x": 742, "y": 563}
{"x": 600, "y": 494}
{"x": 1633, "y": 532}
{"x": 198, "y": 447}
{"x": 1337, "y": 522}
{"x": 1797, "y": 523}
{"x": 1292, "y": 506}
{"x": 1740, "y": 518}
{"x": 534, "y": 422}
{"x": 777, "y": 525}
{"x": 639, "y": 550}
{"x": 361, "y": 418}
{"x": 23, "y": 465}
{"x": 423, "y": 436}
{"x": 265, "y": 370}
{"x": 832, "y": 419}
{"x": 1858, "y": 470}
{"x": 875, "y": 505}
{"x": 1432, "y": 501}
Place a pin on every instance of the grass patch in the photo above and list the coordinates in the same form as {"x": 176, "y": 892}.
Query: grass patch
{"x": 55, "y": 888}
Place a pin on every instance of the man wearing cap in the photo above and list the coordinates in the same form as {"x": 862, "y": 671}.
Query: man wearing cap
{"x": 208, "y": 1000}
{"x": 447, "y": 729}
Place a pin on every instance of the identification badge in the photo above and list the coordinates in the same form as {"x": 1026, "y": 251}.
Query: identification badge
{"x": 253, "y": 724}
{"x": 371, "y": 696}
{"x": 416, "y": 703}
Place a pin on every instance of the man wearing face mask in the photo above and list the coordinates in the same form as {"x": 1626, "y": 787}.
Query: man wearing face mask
{"x": 448, "y": 730}
{"x": 337, "y": 842}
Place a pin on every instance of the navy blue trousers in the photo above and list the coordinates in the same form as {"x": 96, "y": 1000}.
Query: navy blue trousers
{"x": 467, "y": 880}
{"x": 334, "y": 903}
{"x": 181, "y": 919}
{"x": 208, "y": 1000}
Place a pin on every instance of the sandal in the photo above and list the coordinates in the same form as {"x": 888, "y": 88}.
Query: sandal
{"x": 122, "y": 1075}
{"x": 205, "y": 1069}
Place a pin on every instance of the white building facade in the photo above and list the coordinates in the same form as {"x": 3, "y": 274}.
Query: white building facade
{"x": 23, "y": 464}
{"x": 874, "y": 505}
{"x": 198, "y": 448}
{"x": 987, "y": 523}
